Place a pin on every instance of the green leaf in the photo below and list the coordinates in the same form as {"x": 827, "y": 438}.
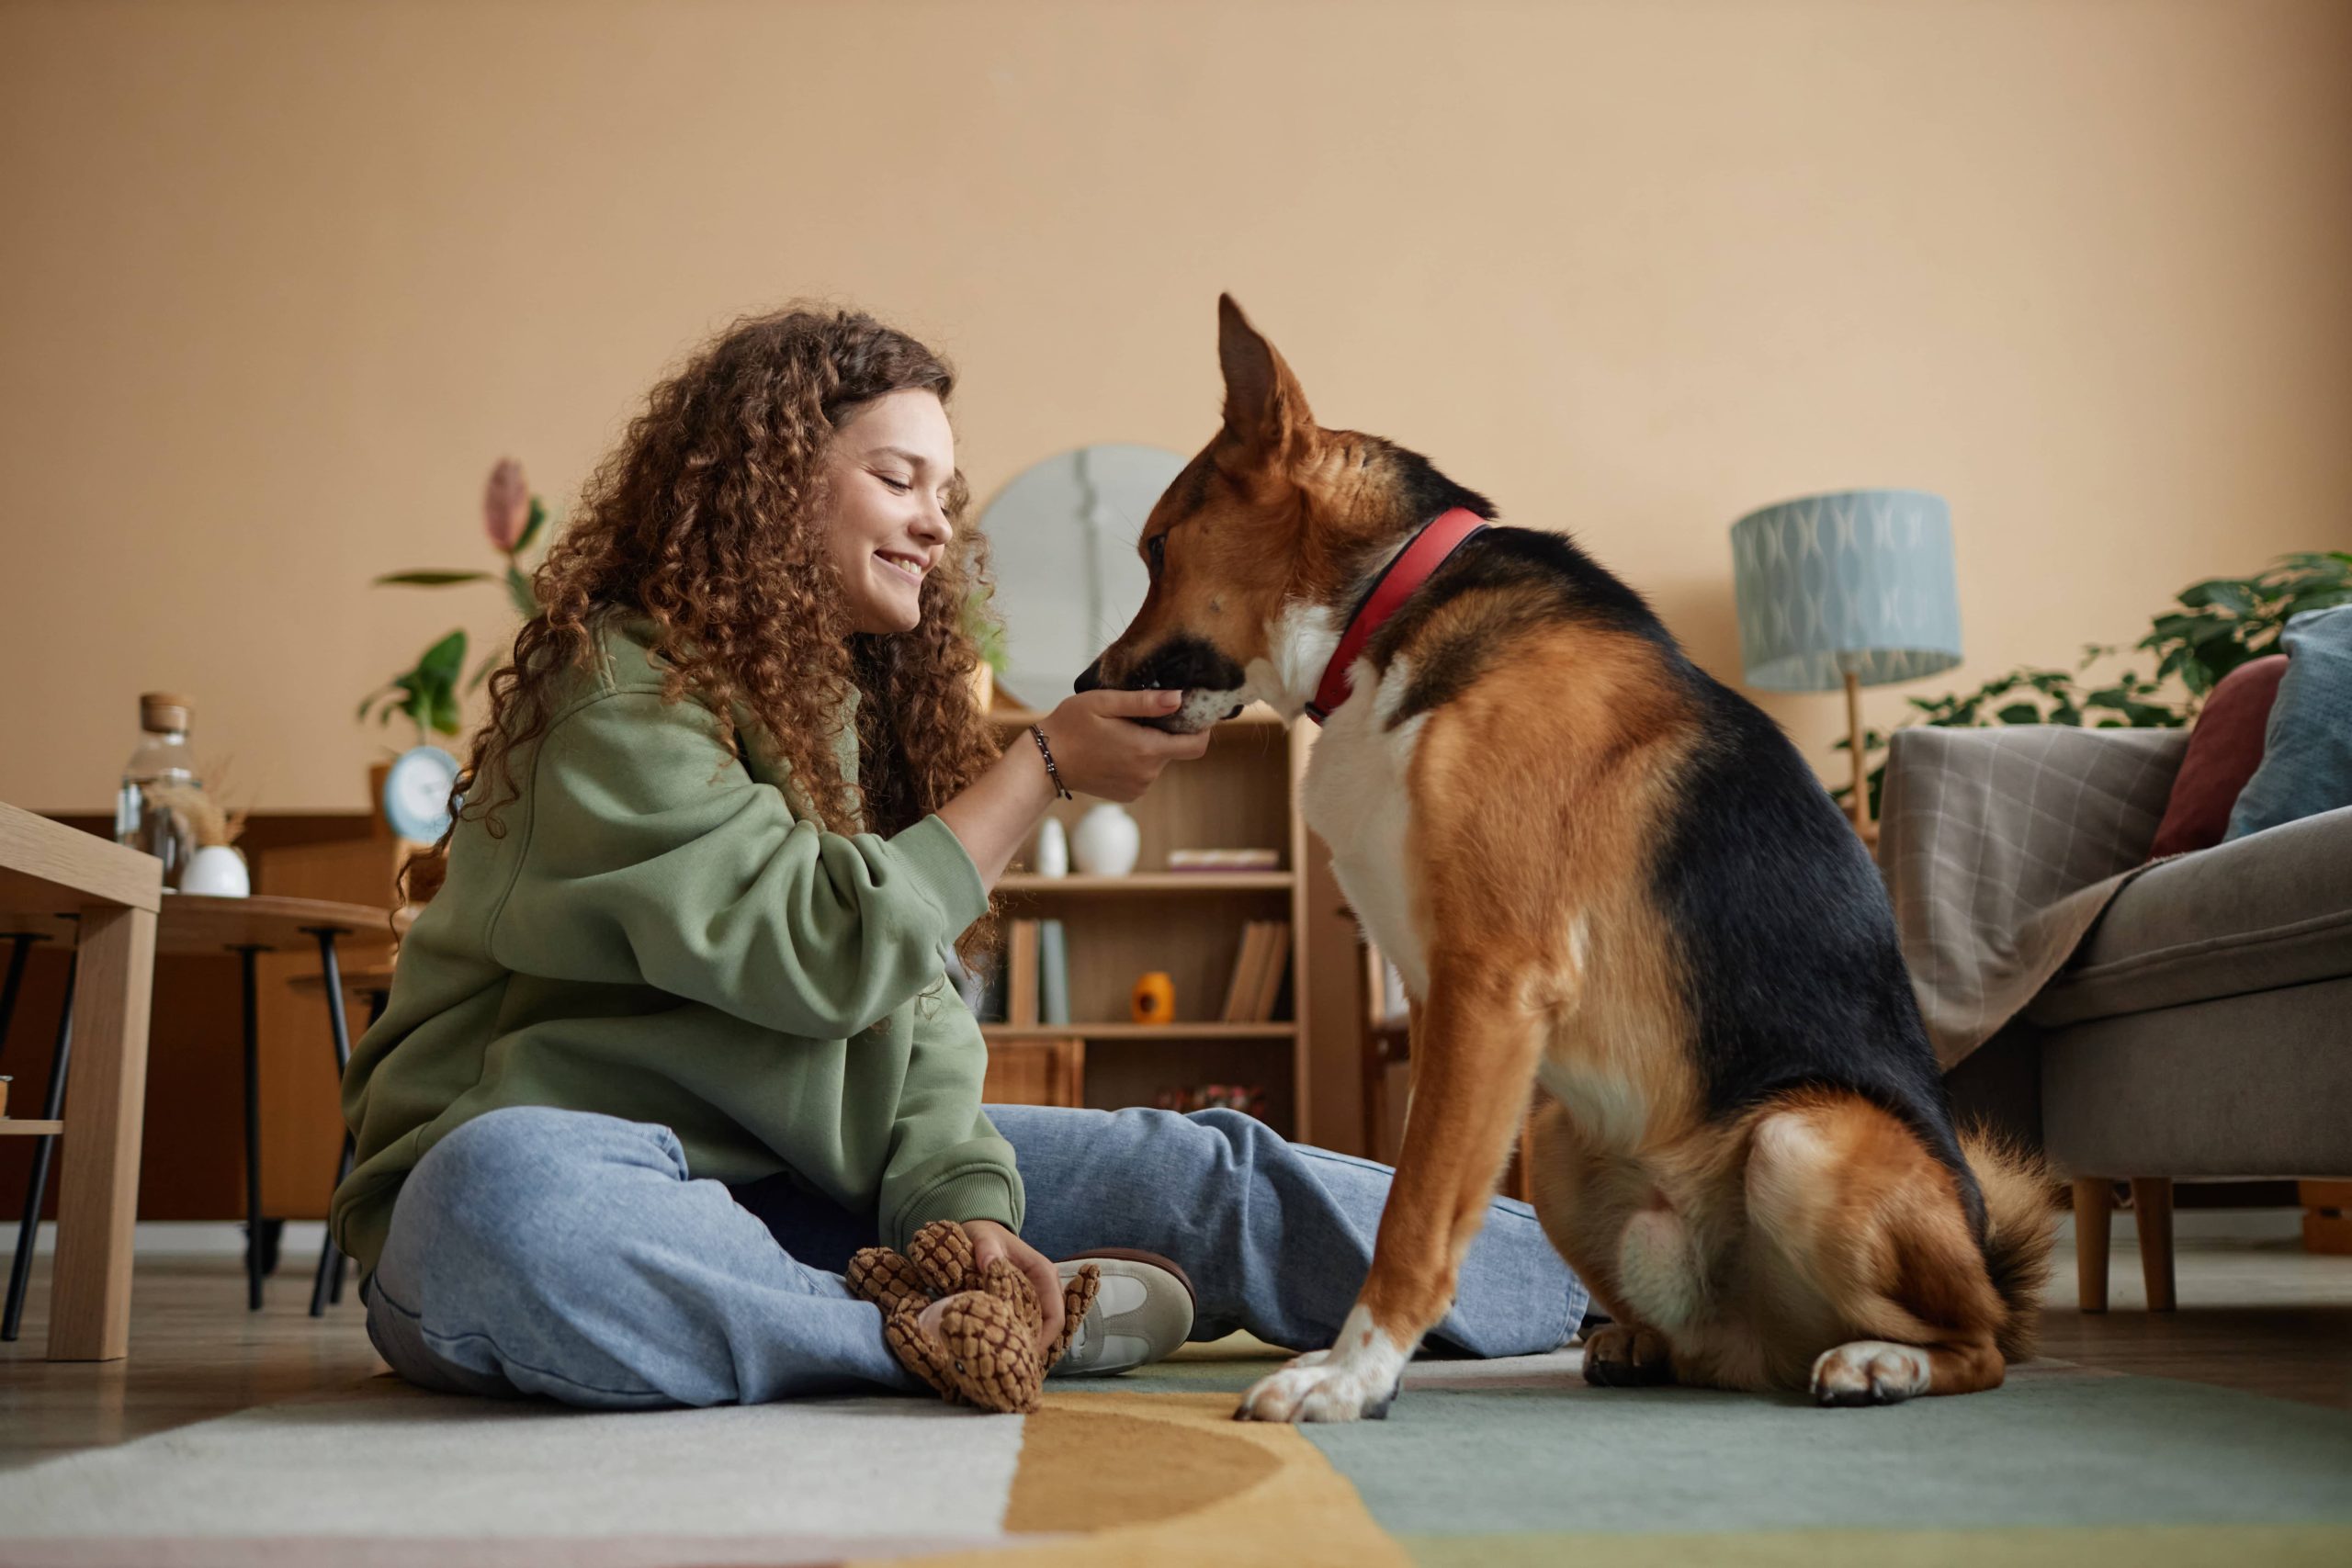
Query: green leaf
{"x": 430, "y": 579}
{"x": 444, "y": 660}
{"x": 2230, "y": 595}
{"x": 2313, "y": 599}
{"x": 2019, "y": 713}
{"x": 444, "y": 712}
{"x": 518, "y": 587}
{"x": 531, "y": 528}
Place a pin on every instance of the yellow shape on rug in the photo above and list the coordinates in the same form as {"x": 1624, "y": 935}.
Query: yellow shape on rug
{"x": 1126, "y": 1480}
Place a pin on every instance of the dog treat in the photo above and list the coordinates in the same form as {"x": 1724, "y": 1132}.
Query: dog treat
{"x": 985, "y": 1352}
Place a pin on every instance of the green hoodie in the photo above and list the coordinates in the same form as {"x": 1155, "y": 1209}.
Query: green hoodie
{"x": 665, "y": 933}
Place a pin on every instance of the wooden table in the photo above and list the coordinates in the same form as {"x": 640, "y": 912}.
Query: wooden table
{"x": 188, "y": 923}
{"x": 114, "y": 894}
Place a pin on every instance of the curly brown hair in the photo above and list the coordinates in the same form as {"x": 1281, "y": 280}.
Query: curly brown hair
{"x": 706, "y": 518}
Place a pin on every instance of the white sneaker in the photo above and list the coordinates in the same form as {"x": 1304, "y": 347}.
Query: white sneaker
{"x": 1143, "y": 1311}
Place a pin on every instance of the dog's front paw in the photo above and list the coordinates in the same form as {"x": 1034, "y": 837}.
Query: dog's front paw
{"x": 1314, "y": 1388}
{"x": 1870, "y": 1371}
{"x": 1619, "y": 1355}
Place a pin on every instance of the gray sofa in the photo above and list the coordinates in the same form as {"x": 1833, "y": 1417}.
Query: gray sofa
{"x": 2201, "y": 1027}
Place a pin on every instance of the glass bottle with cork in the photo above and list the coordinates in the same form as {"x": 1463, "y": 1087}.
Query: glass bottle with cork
{"x": 163, "y": 757}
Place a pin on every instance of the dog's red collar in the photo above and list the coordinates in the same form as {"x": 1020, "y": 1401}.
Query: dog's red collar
{"x": 1405, "y": 571}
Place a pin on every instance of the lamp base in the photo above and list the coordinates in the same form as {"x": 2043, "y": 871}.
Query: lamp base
{"x": 1857, "y": 805}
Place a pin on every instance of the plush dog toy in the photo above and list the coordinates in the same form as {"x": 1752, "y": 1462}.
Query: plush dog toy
{"x": 986, "y": 1351}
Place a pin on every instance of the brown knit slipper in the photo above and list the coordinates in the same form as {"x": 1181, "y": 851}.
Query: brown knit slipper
{"x": 878, "y": 1275}
{"x": 942, "y": 1254}
{"x": 985, "y": 1353}
{"x": 989, "y": 1352}
{"x": 1010, "y": 1285}
{"x": 920, "y": 1353}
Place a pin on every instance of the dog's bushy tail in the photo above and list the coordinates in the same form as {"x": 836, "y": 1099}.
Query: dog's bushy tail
{"x": 2020, "y": 1228}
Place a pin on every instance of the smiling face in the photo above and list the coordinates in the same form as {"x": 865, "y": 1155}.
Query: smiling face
{"x": 890, "y": 472}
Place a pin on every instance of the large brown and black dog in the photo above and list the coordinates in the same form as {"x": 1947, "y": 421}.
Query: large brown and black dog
{"x": 1614, "y": 887}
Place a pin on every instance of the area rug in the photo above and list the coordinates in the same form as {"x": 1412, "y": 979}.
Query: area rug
{"x": 1498, "y": 1463}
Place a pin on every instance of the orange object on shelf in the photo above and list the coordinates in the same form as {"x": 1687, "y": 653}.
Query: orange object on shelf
{"x": 1154, "y": 998}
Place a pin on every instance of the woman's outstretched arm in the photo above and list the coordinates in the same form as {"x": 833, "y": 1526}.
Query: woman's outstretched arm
{"x": 1099, "y": 749}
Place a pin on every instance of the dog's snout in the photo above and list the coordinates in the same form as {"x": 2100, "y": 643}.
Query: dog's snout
{"x": 1090, "y": 678}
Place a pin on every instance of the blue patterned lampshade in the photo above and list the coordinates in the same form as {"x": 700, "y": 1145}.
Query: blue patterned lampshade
{"x": 1856, "y": 582}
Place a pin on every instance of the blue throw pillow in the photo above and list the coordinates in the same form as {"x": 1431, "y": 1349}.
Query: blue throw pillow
{"x": 2307, "y": 747}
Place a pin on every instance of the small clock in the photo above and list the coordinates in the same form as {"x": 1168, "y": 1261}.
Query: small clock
{"x": 416, "y": 793}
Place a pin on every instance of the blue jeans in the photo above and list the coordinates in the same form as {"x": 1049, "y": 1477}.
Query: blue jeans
{"x": 572, "y": 1255}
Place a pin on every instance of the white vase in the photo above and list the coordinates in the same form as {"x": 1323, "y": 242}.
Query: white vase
{"x": 1053, "y": 848}
{"x": 218, "y": 870}
{"x": 1107, "y": 841}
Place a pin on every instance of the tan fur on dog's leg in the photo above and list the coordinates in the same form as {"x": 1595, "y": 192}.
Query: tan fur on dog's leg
{"x": 1866, "y": 1216}
{"x": 1477, "y": 1061}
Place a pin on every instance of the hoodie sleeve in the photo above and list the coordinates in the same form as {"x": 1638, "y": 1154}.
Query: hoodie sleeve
{"x": 654, "y": 856}
{"x": 946, "y": 1161}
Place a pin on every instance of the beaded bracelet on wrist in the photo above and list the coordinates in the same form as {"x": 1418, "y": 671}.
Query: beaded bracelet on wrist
{"x": 1047, "y": 752}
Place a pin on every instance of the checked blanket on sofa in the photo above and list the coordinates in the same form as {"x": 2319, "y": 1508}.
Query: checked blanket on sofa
{"x": 2001, "y": 848}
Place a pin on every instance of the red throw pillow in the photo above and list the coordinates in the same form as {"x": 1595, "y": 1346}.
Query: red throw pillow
{"x": 2224, "y": 749}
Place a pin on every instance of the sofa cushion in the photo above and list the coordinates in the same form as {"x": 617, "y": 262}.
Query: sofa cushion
{"x": 2225, "y": 749}
{"x": 2307, "y": 749}
{"x": 2244, "y": 1086}
{"x": 2251, "y": 915}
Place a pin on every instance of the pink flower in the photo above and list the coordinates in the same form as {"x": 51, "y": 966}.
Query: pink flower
{"x": 506, "y": 505}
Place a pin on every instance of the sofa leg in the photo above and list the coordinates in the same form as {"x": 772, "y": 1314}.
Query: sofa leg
{"x": 2152, "y": 1207}
{"x": 2094, "y": 1203}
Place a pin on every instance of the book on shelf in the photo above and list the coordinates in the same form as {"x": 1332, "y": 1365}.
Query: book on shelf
{"x": 1259, "y": 964}
{"x": 1270, "y": 977}
{"x": 1021, "y": 973}
{"x": 1225, "y": 860}
{"x": 1053, "y": 973}
{"x": 1238, "y": 989}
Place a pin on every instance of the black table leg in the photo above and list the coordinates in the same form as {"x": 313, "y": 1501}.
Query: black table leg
{"x": 252, "y": 1128}
{"x": 20, "y": 947}
{"x": 20, "y": 1268}
{"x": 330, "y": 1255}
{"x": 376, "y": 1002}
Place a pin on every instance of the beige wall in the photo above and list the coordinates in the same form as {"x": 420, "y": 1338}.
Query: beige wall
{"x": 278, "y": 282}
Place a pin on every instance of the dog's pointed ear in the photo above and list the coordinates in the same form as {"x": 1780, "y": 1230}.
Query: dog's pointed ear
{"x": 1265, "y": 409}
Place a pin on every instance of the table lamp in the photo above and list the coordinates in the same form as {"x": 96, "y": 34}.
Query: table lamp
{"x": 1851, "y": 589}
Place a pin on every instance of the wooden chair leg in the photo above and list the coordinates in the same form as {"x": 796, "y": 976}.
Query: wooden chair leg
{"x": 2094, "y": 1205}
{"x": 2152, "y": 1208}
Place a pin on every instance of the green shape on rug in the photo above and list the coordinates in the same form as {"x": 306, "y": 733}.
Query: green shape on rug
{"x": 2054, "y": 1448}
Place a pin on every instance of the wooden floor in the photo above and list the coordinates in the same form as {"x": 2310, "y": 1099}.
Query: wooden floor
{"x": 2261, "y": 1316}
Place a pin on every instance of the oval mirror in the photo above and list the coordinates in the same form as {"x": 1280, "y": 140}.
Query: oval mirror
{"x": 1062, "y": 545}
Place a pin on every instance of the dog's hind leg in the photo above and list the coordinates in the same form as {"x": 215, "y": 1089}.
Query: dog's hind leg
{"x": 1475, "y": 1054}
{"x": 1858, "y": 1210}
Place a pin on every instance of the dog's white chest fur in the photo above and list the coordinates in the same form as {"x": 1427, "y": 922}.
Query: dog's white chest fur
{"x": 1355, "y": 793}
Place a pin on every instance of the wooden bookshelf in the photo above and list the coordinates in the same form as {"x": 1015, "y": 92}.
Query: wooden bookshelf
{"x": 1142, "y": 882}
{"x": 1242, "y": 795}
{"x": 1279, "y": 1029}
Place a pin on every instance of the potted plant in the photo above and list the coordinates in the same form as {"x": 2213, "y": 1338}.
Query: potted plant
{"x": 2219, "y": 623}
{"x": 427, "y": 693}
